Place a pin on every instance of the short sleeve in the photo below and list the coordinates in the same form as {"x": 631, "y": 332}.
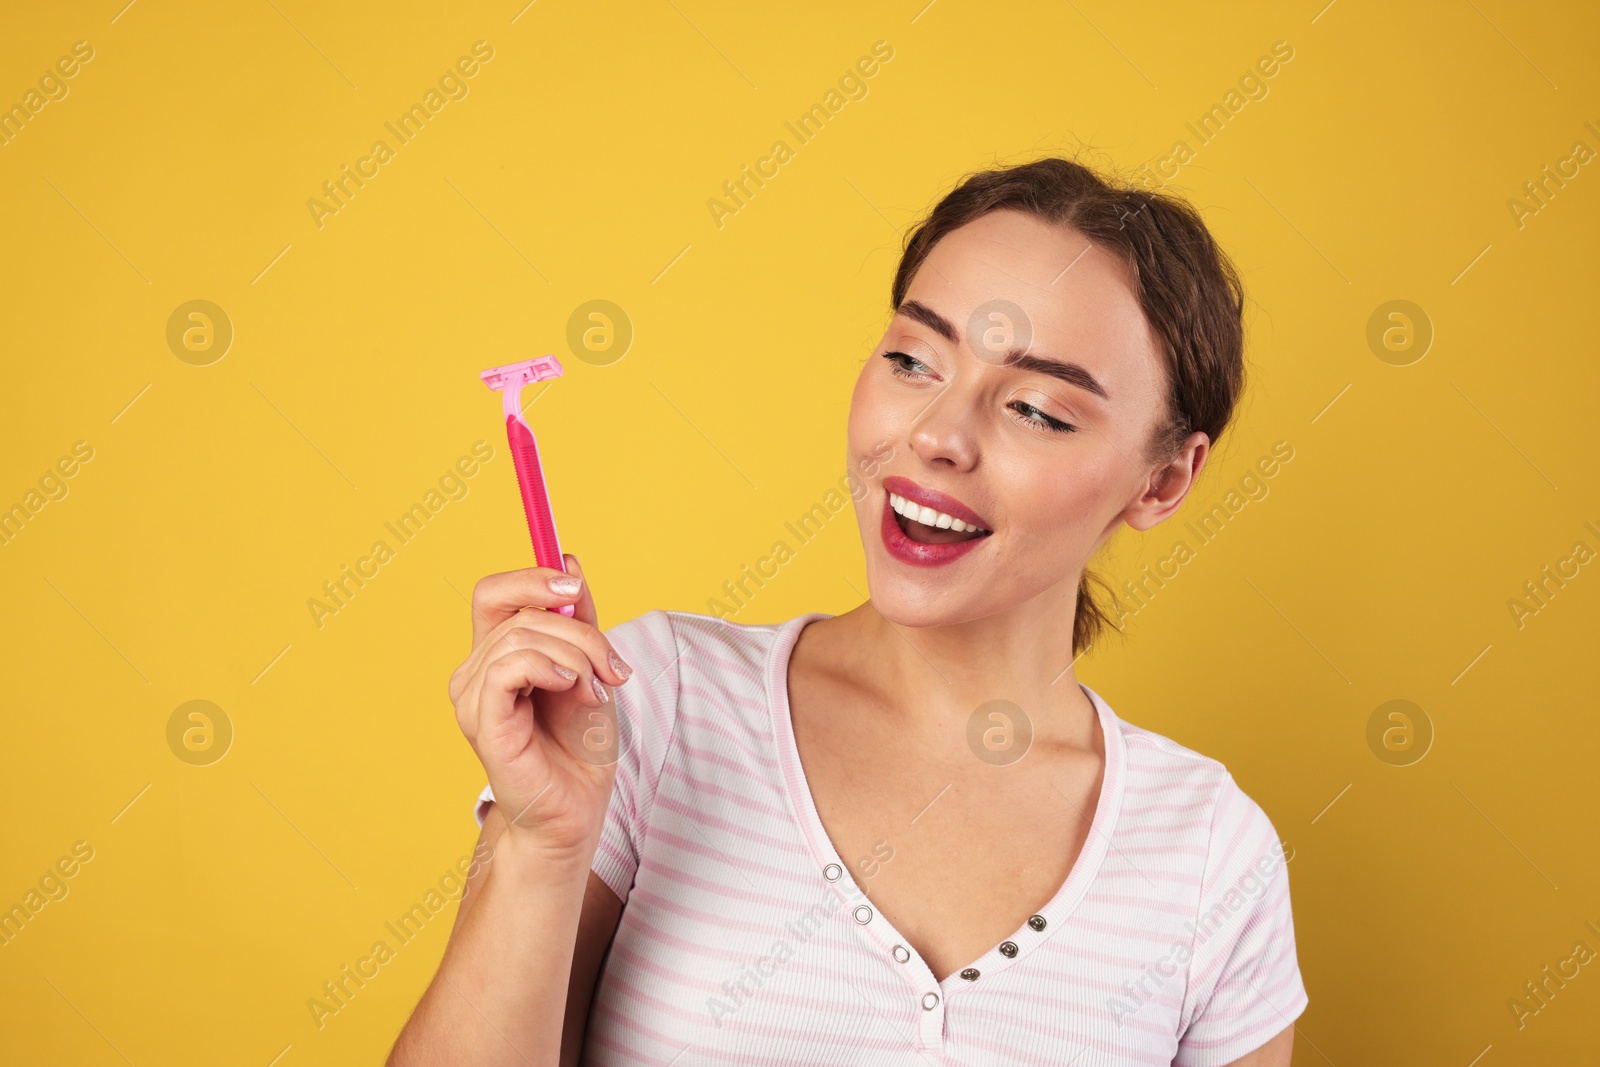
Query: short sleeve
{"x": 1244, "y": 977}
{"x": 647, "y": 707}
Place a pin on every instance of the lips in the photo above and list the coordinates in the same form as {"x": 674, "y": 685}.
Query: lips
{"x": 918, "y": 553}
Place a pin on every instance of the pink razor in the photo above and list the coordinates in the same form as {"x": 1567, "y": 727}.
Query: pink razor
{"x": 509, "y": 380}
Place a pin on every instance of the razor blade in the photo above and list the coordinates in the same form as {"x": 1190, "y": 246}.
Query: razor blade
{"x": 529, "y": 370}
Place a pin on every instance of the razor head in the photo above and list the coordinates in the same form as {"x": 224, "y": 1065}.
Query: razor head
{"x": 516, "y": 374}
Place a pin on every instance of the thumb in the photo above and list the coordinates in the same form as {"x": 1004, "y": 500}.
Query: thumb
{"x": 583, "y": 607}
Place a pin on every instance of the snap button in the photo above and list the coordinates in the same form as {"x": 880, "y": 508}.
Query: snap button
{"x": 863, "y": 914}
{"x": 930, "y": 1001}
{"x": 970, "y": 974}
{"x": 1037, "y": 922}
{"x": 832, "y": 872}
{"x": 901, "y": 954}
{"x": 1008, "y": 949}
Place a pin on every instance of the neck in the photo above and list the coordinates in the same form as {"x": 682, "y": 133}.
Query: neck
{"x": 936, "y": 677}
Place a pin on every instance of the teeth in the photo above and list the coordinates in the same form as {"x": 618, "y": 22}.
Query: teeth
{"x": 929, "y": 517}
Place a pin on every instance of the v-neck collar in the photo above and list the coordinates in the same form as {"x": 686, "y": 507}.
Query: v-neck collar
{"x": 879, "y": 932}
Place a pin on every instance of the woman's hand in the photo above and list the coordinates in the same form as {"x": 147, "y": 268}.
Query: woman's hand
{"x": 531, "y": 698}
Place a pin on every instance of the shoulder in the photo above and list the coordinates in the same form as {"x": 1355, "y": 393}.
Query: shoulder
{"x": 1160, "y": 770}
{"x": 1158, "y": 764}
{"x": 686, "y": 642}
{"x": 700, "y": 661}
{"x": 701, "y": 689}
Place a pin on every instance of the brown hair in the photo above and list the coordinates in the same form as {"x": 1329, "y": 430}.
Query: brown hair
{"x": 1188, "y": 289}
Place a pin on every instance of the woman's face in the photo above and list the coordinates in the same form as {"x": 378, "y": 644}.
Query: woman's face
{"x": 1046, "y": 452}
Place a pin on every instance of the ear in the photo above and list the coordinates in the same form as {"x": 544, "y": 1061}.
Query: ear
{"x": 1167, "y": 486}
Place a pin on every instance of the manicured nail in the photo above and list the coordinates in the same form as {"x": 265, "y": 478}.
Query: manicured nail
{"x": 617, "y": 665}
{"x": 600, "y": 690}
{"x": 566, "y": 585}
{"x": 566, "y": 672}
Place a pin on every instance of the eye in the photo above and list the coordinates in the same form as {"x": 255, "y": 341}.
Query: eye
{"x": 1043, "y": 421}
{"x": 900, "y": 370}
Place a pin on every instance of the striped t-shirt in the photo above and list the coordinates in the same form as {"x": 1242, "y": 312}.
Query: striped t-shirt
{"x": 745, "y": 940}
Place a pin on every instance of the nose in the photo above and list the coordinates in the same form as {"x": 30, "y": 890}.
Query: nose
{"x": 942, "y": 435}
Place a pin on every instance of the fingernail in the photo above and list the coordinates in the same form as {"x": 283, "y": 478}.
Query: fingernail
{"x": 566, "y": 672}
{"x": 566, "y": 585}
{"x": 600, "y": 690}
{"x": 619, "y": 666}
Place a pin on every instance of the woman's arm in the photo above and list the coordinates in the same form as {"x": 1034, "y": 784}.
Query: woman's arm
{"x": 511, "y": 914}
{"x": 533, "y": 685}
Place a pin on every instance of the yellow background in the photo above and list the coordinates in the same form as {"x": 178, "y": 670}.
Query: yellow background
{"x": 219, "y": 498}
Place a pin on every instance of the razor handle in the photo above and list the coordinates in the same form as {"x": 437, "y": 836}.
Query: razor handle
{"x": 535, "y": 499}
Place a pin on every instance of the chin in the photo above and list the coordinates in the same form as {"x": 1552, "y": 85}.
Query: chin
{"x": 918, "y": 597}
{"x": 910, "y": 604}
{"x": 912, "y": 611}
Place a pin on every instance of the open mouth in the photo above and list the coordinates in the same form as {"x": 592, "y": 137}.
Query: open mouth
{"x": 929, "y": 527}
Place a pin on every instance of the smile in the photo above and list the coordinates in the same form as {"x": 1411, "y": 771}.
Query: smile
{"x": 917, "y": 532}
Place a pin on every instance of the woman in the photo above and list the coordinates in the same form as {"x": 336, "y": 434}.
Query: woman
{"x": 905, "y": 834}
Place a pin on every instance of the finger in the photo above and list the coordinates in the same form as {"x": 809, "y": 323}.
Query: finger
{"x": 468, "y": 676}
{"x": 506, "y": 725}
{"x": 585, "y": 603}
{"x": 556, "y": 707}
{"x": 620, "y": 669}
{"x": 604, "y": 659}
{"x": 504, "y": 680}
{"x": 565, "y": 655}
{"x": 546, "y": 672}
{"x": 497, "y": 597}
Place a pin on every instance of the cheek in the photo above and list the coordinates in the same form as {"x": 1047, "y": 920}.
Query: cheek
{"x": 1069, "y": 503}
{"x": 870, "y": 416}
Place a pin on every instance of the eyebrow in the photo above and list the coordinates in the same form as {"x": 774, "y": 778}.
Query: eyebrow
{"x": 1069, "y": 372}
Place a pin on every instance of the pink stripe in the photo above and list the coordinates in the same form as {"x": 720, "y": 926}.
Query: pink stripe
{"x": 705, "y": 787}
{"x": 728, "y": 763}
{"x": 697, "y": 847}
{"x": 637, "y": 960}
{"x": 777, "y": 844}
{"x": 709, "y": 725}
{"x": 660, "y": 903}
{"x": 597, "y": 1037}
{"x": 1163, "y": 850}
{"x": 1007, "y": 1052}
{"x": 663, "y": 939}
{"x": 721, "y": 700}
{"x": 1134, "y": 902}
{"x": 731, "y": 889}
